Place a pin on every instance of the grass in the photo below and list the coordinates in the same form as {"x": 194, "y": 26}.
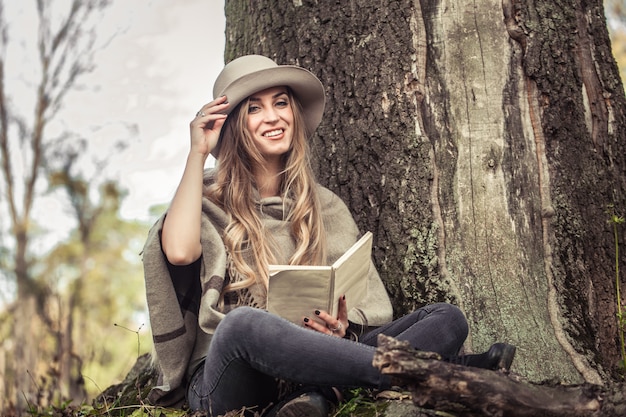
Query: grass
{"x": 359, "y": 402}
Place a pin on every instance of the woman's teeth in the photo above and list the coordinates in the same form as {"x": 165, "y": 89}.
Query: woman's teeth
{"x": 273, "y": 133}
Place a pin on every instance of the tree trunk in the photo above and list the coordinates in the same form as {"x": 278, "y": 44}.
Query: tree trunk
{"x": 72, "y": 384}
{"x": 481, "y": 141}
{"x": 23, "y": 389}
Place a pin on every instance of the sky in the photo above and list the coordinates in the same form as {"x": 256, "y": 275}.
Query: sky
{"x": 154, "y": 68}
{"x": 155, "y": 75}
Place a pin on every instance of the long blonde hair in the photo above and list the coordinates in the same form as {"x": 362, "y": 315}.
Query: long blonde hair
{"x": 234, "y": 190}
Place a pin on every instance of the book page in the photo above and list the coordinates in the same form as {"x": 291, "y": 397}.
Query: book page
{"x": 351, "y": 273}
{"x": 297, "y": 295}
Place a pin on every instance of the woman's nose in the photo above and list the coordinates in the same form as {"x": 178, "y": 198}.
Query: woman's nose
{"x": 271, "y": 115}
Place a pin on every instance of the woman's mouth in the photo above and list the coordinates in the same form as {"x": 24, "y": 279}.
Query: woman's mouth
{"x": 273, "y": 133}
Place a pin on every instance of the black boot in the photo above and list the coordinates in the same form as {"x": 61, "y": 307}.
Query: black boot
{"x": 306, "y": 402}
{"x": 498, "y": 357}
{"x": 311, "y": 404}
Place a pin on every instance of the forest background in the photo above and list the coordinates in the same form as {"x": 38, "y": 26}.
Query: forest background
{"x": 123, "y": 125}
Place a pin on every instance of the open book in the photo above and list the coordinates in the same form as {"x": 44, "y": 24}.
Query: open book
{"x": 296, "y": 291}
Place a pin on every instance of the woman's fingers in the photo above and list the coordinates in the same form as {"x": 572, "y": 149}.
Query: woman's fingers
{"x": 214, "y": 107}
{"x": 329, "y": 324}
{"x": 206, "y": 126}
{"x": 208, "y": 121}
{"x": 211, "y": 112}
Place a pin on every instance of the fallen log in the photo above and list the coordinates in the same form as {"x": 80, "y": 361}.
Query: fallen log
{"x": 474, "y": 392}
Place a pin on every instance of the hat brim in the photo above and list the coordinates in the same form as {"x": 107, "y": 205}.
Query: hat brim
{"x": 307, "y": 88}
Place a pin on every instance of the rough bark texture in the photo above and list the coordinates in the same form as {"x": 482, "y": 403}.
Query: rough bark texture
{"x": 482, "y": 393}
{"x": 481, "y": 142}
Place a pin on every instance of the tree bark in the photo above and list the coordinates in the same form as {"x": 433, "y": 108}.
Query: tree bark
{"x": 481, "y": 142}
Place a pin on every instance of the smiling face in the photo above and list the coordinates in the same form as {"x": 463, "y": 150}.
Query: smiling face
{"x": 270, "y": 121}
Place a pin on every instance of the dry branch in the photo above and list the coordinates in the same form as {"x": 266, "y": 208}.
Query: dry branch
{"x": 478, "y": 392}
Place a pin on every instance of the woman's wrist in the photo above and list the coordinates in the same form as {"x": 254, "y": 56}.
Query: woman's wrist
{"x": 197, "y": 158}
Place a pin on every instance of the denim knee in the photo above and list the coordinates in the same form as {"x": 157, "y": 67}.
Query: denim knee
{"x": 239, "y": 322}
{"x": 455, "y": 318}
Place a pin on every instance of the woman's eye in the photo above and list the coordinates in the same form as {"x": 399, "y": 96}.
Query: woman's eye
{"x": 282, "y": 103}
{"x": 253, "y": 109}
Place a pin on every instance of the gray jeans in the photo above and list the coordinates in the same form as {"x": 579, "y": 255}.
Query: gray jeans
{"x": 251, "y": 349}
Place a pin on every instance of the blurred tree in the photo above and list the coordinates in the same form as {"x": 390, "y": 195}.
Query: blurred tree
{"x": 65, "y": 47}
{"x": 99, "y": 284}
{"x": 616, "y": 22}
{"x": 93, "y": 282}
{"x": 615, "y": 10}
{"x": 95, "y": 258}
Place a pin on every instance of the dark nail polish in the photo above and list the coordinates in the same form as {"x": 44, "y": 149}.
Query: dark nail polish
{"x": 317, "y": 312}
{"x": 306, "y": 319}
{"x": 344, "y": 296}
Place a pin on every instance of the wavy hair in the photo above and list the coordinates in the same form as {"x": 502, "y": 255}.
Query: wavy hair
{"x": 249, "y": 246}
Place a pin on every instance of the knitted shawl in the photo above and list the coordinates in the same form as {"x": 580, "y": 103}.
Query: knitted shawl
{"x": 183, "y": 304}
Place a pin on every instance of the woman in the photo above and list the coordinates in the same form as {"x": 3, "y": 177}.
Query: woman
{"x": 206, "y": 263}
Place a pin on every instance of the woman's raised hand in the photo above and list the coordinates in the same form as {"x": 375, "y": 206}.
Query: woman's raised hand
{"x": 206, "y": 126}
{"x": 332, "y": 326}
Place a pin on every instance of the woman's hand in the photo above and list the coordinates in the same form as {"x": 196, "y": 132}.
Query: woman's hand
{"x": 206, "y": 126}
{"x": 332, "y": 326}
